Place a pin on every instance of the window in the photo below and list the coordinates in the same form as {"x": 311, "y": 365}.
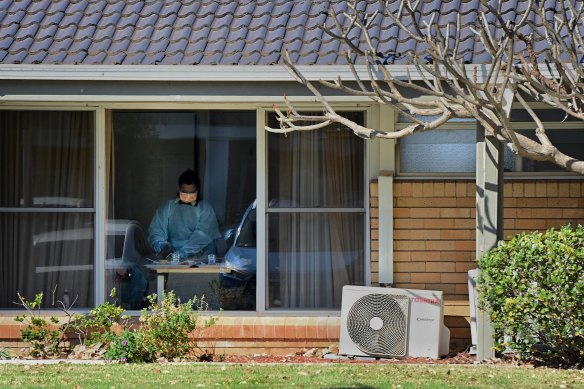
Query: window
{"x": 46, "y": 206}
{"x": 316, "y": 216}
{"x": 148, "y": 152}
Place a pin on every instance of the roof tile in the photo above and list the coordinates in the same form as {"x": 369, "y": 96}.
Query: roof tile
{"x": 216, "y": 31}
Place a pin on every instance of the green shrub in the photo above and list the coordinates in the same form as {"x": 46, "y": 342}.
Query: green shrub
{"x": 533, "y": 289}
{"x": 127, "y": 348}
{"x": 99, "y": 326}
{"x": 43, "y": 334}
{"x": 5, "y": 354}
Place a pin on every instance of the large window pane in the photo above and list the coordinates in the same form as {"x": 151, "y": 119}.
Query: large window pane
{"x": 312, "y": 256}
{"x": 318, "y": 246}
{"x": 51, "y": 253}
{"x": 321, "y": 168}
{"x": 149, "y": 151}
{"x": 47, "y": 161}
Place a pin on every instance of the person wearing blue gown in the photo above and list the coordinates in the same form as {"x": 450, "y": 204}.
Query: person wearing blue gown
{"x": 187, "y": 224}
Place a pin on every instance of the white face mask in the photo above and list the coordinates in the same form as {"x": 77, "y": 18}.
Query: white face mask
{"x": 188, "y": 197}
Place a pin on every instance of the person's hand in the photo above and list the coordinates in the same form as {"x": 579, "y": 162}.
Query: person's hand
{"x": 164, "y": 250}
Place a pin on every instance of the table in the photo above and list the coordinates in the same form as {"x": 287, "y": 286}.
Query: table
{"x": 161, "y": 270}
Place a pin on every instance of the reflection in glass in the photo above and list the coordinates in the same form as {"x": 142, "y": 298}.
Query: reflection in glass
{"x": 148, "y": 151}
{"x": 51, "y": 253}
{"x": 46, "y": 161}
{"x": 312, "y": 256}
{"x": 321, "y": 168}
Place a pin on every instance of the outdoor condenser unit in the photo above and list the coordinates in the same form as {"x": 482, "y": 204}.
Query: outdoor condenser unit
{"x": 391, "y": 322}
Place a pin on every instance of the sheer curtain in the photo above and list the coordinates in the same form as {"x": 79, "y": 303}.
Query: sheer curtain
{"x": 316, "y": 251}
{"x": 46, "y": 162}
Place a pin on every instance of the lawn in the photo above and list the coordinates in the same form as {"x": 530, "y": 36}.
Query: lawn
{"x": 330, "y": 375}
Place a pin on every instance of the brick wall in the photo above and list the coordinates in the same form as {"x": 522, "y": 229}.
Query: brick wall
{"x": 434, "y": 233}
{"x": 434, "y": 226}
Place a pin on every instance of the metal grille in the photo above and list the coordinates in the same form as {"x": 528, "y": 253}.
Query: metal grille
{"x": 391, "y": 338}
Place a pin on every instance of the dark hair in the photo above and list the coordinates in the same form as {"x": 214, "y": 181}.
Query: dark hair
{"x": 189, "y": 177}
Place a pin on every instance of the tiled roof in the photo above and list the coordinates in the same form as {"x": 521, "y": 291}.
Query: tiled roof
{"x": 207, "y": 32}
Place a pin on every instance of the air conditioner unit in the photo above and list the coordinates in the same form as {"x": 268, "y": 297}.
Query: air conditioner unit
{"x": 391, "y": 322}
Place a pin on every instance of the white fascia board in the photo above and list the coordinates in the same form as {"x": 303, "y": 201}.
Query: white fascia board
{"x": 216, "y": 73}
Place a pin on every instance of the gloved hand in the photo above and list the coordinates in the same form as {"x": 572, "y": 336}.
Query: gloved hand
{"x": 164, "y": 250}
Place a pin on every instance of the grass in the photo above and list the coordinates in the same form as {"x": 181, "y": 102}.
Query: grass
{"x": 330, "y": 375}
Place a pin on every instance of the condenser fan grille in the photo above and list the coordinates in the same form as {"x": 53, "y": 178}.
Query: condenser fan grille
{"x": 378, "y": 324}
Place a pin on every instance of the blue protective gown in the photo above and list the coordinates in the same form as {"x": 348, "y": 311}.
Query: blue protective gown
{"x": 189, "y": 229}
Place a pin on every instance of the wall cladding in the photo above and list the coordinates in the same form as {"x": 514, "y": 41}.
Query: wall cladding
{"x": 434, "y": 226}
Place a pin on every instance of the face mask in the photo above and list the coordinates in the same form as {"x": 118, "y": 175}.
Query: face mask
{"x": 188, "y": 197}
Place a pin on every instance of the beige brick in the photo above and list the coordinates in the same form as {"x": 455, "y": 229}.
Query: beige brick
{"x": 524, "y": 213}
{"x": 424, "y": 278}
{"x": 530, "y": 224}
{"x": 440, "y": 267}
{"x": 402, "y": 277}
{"x": 458, "y": 256}
{"x": 409, "y": 285}
{"x": 510, "y": 202}
{"x": 428, "y": 188}
{"x": 529, "y": 189}
{"x": 455, "y": 212}
{"x": 552, "y": 189}
{"x": 462, "y": 289}
{"x": 460, "y": 189}
{"x": 374, "y": 202}
{"x": 373, "y": 189}
{"x": 457, "y": 234}
{"x": 508, "y": 223}
{"x": 508, "y": 189}
{"x": 439, "y": 189}
{"x": 454, "y": 278}
{"x": 445, "y": 288}
{"x": 410, "y": 267}
{"x": 374, "y": 212}
{"x": 464, "y": 224}
{"x": 425, "y": 255}
{"x": 440, "y": 245}
{"x": 420, "y": 213}
{"x": 465, "y": 266}
{"x": 564, "y": 202}
{"x": 425, "y": 202}
{"x": 401, "y": 256}
{"x": 403, "y": 234}
{"x": 540, "y": 189}
{"x": 546, "y": 213}
{"x": 404, "y": 245}
{"x": 375, "y": 245}
{"x": 409, "y": 223}
{"x": 564, "y": 189}
{"x": 574, "y": 189}
{"x": 469, "y": 202}
{"x": 374, "y": 256}
{"x": 374, "y": 234}
{"x": 425, "y": 234}
{"x": 406, "y": 189}
{"x": 449, "y": 189}
{"x": 374, "y": 223}
{"x": 464, "y": 245}
{"x": 573, "y": 213}
{"x": 518, "y": 189}
{"x": 417, "y": 189}
{"x": 535, "y": 202}
{"x": 375, "y": 278}
{"x": 374, "y": 267}
{"x": 510, "y": 213}
{"x": 401, "y": 212}
{"x": 438, "y": 223}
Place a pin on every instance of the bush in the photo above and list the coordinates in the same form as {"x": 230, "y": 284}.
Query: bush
{"x": 43, "y": 334}
{"x": 533, "y": 289}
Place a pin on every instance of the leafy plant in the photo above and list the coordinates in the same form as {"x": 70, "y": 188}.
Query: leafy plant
{"x": 533, "y": 288}
{"x": 5, "y": 354}
{"x": 99, "y": 326}
{"x": 127, "y": 347}
{"x": 166, "y": 327}
{"x": 43, "y": 334}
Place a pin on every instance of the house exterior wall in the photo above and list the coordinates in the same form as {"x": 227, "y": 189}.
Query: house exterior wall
{"x": 434, "y": 232}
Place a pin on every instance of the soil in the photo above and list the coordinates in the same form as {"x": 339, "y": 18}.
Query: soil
{"x": 460, "y": 358}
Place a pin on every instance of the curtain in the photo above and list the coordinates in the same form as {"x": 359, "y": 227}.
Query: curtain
{"x": 46, "y": 161}
{"x": 316, "y": 253}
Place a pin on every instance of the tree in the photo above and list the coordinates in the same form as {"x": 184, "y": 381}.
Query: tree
{"x": 445, "y": 86}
